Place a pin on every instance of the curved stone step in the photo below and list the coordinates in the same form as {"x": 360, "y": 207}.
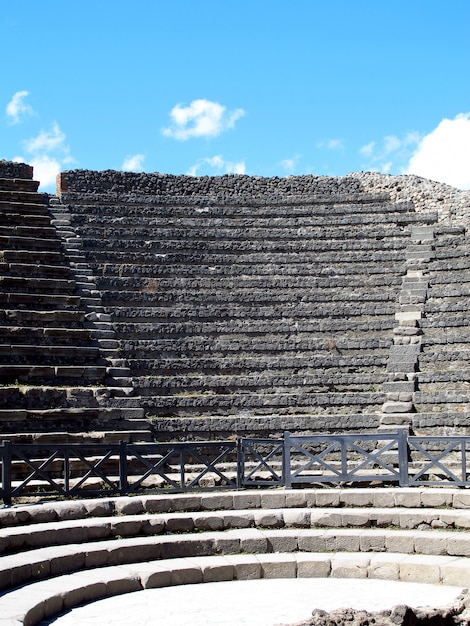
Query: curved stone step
{"x": 48, "y": 598}
{"x": 404, "y": 523}
{"x": 24, "y": 567}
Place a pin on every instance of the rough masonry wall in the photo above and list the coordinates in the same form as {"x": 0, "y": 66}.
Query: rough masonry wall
{"x": 451, "y": 204}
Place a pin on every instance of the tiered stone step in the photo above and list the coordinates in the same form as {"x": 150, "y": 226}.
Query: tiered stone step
{"x": 248, "y": 308}
{"x": 55, "y": 381}
{"x": 57, "y": 555}
{"x": 444, "y": 363}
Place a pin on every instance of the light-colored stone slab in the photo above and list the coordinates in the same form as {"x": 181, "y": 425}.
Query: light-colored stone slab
{"x": 458, "y": 544}
{"x": 313, "y": 565}
{"x": 428, "y": 542}
{"x": 268, "y": 519}
{"x": 184, "y": 572}
{"x": 246, "y": 500}
{"x": 422, "y": 568}
{"x": 246, "y": 566}
{"x": 357, "y": 497}
{"x": 215, "y": 569}
{"x": 208, "y": 521}
{"x": 385, "y": 566}
{"x": 296, "y": 518}
{"x": 312, "y": 541}
{"x": 346, "y": 565}
{"x": 456, "y": 572}
{"x": 461, "y": 499}
{"x": 342, "y": 540}
{"x": 372, "y": 541}
{"x": 252, "y": 541}
{"x": 284, "y": 540}
{"x": 131, "y": 505}
{"x": 278, "y": 565}
{"x": 295, "y": 499}
{"x": 399, "y": 541}
{"x": 239, "y": 519}
{"x": 331, "y": 518}
{"x": 273, "y": 499}
{"x": 212, "y": 502}
{"x": 328, "y": 497}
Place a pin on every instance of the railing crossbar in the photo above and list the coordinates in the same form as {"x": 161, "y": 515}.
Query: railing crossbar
{"x": 435, "y": 462}
{"x": 210, "y": 467}
{"x": 315, "y": 458}
{"x": 263, "y": 461}
{"x": 373, "y": 457}
{"x": 66, "y": 469}
{"x": 153, "y": 468}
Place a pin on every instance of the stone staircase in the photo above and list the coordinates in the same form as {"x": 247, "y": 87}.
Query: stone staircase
{"x": 264, "y": 314}
{"x": 57, "y": 382}
{"x": 57, "y": 555}
{"x": 443, "y": 399}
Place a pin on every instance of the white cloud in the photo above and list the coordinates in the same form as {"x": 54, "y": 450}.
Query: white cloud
{"x": 392, "y": 144}
{"x": 45, "y": 169}
{"x": 331, "y": 144}
{"x": 48, "y": 153}
{"x": 289, "y": 165}
{"x": 16, "y": 109}
{"x": 218, "y": 166}
{"x": 390, "y": 154}
{"x": 368, "y": 149}
{"x": 202, "y": 118}
{"x": 47, "y": 141}
{"x": 335, "y": 144}
{"x": 444, "y": 154}
{"x": 133, "y": 163}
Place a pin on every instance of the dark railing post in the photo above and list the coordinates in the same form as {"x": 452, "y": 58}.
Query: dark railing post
{"x": 286, "y": 468}
{"x": 66, "y": 467}
{"x": 123, "y": 484}
{"x": 464, "y": 461}
{"x": 182, "y": 469}
{"x": 403, "y": 451}
{"x": 343, "y": 446}
{"x": 240, "y": 462}
{"x": 6, "y": 471}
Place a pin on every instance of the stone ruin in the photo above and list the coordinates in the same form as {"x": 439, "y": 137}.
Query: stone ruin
{"x": 152, "y": 306}
{"x": 141, "y": 307}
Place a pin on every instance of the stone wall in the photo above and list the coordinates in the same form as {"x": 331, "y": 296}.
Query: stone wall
{"x": 426, "y": 195}
{"x": 232, "y": 186}
{"x": 9, "y": 169}
{"x": 452, "y": 205}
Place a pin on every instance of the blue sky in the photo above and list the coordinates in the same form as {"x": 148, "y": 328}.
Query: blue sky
{"x": 261, "y": 87}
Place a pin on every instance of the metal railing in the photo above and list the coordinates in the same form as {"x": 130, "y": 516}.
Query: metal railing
{"x": 346, "y": 458}
{"x": 80, "y": 470}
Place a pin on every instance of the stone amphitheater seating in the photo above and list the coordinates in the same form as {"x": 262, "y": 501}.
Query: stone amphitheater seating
{"x": 227, "y": 306}
{"x": 265, "y": 312}
{"x": 57, "y": 555}
{"x": 57, "y": 379}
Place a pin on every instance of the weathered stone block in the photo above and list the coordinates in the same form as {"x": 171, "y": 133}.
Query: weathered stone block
{"x": 253, "y": 541}
{"x": 246, "y": 567}
{"x": 349, "y": 566}
{"x": 313, "y": 565}
{"x": 282, "y": 541}
{"x": 278, "y": 565}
